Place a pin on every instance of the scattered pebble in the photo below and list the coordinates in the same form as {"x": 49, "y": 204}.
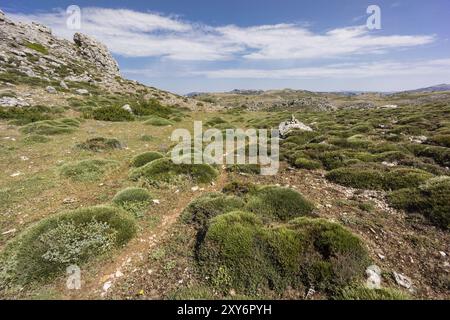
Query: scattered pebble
{"x": 156, "y": 201}
{"x": 16, "y": 174}
{"x": 403, "y": 280}
{"x": 9, "y": 231}
{"x": 196, "y": 188}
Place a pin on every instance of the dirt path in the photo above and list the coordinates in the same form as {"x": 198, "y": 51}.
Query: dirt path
{"x": 102, "y": 283}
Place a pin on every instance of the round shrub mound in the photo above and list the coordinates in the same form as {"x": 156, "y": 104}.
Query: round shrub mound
{"x": 45, "y": 249}
{"x": 132, "y": 195}
{"x": 144, "y": 158}
{"x": 239, "y": 188}
{"x": 164, "y": 170}
{"x": 134, "y": 200}
{"x": 158, "y": 121}
{"x": 111, "y": 113}
{"x": 430, "y": 199}
{"x": 100, "y": 144}
{"x": 280, "y": 203}
{"x": 87, "y": 170}
{"x": 308, "y": 164}
{"x": 378, "y": 178}
{"x": 51, "y": 127}
{"x": 239, "y": 252}
{"x": 202, "y": 209}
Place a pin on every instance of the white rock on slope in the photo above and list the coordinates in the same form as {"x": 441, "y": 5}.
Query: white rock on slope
{"x": 292, "y": 124}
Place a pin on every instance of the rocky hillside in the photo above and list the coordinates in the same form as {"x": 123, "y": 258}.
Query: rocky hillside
{"x": 35, "y": 63}
{"x": 301, "y": 100}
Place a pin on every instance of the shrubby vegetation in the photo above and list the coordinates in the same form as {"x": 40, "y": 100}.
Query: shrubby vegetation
{"x": 100, "y": 144}
{"x": 239, "y": 251}
{"x": 430, "y": 199}
{"x": 134, "y": 200}
{"x": 144, "y": 158}
{"x": 164, "y": 170}
{"x": 51, "y": 127}
{"x": 44, "y": 250}
{"x": 87, "y": 170}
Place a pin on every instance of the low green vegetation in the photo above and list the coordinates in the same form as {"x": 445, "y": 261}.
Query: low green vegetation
{"x": 164, "y": 170}
{"x": 278, "y": 203}
{"x": 87, "y": 170}
{"x": 209, "y": 205}
{"x": 99, "y": 144}
{"x": 363, "y": 293}
{"x": 247, "y": 252}
{"x": 158, "y": 121}
{"x": 36, "y": 47}
{"x": 378, "y": 178}
{"x": 134, "y": 200}
{"x": 430, "y": 199}
{"x": 51, "y": 127}
{"x": 238, "y": 251}
{"x": 110, "y": 113}
{"x": 144, "y": 158}
{"x": 47, "y": 248}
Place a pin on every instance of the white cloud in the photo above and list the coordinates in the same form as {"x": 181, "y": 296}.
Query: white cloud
{"x": 341, "y": 71}
{"x": 145, "y": 34}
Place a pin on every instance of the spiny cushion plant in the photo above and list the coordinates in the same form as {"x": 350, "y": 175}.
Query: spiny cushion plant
{"x": 51, "y": 127}
{"x": 164, "y": 170}
{"x": 239, "y": 188}
{"x": 431, "y": 199}
{"x": 209, "y": 205}
{"x": 377, "y": 177}
{"x": 87, "y": 170}
{"x": 303, "y": 163}
{"x": 238, "y": 251}
{"x": 158, "y": 121}
{"x": 110, "y": 113}
{"x": 100, "y": 144}
{"x": 44, "y": 250}
{"x": 144, "y": 158}
{"x": 134, "y": 200}
{"x": 278, "y": 203}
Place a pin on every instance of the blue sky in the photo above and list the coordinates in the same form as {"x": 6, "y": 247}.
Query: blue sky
{"x": 206, "y": 45}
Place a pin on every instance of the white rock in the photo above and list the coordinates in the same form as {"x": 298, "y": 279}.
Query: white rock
{"x": 127, "y": 108}
{"x": 9, "y": 231}
{"x": 13, "y": 102}
{"x": 156, "y": 201}
{"x": 292, "y": 124}
{"x": 51, "y": 90}
{"x": 63, "y": 85}
{"x": 403, "y": 280}
{"x": 443, "y": 254}
{"x": 16, "y": 174}
{"x": 118, "y": 274}
{"x": 373, "y": 274}
{"x": 196, "y": 188}
{"x": 418, "y": 139}
{"x": 82, "y": 91}
{"x": 106, "y": 286}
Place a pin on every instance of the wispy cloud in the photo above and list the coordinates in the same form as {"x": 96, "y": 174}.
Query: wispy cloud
{"x": 341, "y": 71}
{"x": 146, "y": 34}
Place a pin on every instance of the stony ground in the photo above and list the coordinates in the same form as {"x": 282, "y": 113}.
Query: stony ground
{"x": 159, "y": 261}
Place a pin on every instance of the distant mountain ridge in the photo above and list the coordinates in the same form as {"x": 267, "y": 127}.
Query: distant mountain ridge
{"x": 436, "y": 88}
